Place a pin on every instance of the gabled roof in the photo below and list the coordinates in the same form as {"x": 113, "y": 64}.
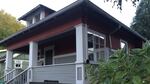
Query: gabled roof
{"x": 39, "y": 7}
{"x": 73, "y": 6}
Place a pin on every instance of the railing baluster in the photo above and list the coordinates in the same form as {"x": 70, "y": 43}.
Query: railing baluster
{"x": 20, "y": 78}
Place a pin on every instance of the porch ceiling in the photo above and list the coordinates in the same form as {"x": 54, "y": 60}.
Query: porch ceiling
{"x": 47, "y": 42}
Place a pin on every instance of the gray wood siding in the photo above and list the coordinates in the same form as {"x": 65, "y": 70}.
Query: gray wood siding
{"x": 67, "y": 59}
{"x": 64, "y": 73}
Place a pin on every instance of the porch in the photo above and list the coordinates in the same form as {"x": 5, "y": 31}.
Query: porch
{"x": 60, "y": 58}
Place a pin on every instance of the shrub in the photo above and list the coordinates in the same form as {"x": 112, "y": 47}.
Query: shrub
{"x": 122, "y": 68}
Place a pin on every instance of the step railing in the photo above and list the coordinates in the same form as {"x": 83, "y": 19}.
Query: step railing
{"x": 21, "y": 78}
{"x": 8, "y": 76}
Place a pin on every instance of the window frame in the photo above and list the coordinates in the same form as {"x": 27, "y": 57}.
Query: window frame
{"x": 126, "y": 43}
{"x": 96, "y": 34}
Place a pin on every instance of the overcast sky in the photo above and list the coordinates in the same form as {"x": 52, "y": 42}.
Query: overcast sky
{"x": 19, "y": 7}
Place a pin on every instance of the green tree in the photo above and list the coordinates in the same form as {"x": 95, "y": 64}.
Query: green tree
{"x": 141, "y": 22}
{"x": 8, "y": 25}
{"x": 121, "y": 68}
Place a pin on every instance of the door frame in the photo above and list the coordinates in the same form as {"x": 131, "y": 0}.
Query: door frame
{"x": 46, "y": 49}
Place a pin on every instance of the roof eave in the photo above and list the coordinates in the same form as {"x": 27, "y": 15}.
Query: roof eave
{"x": 4, "y": 41}
{"x": 101, "y": 11}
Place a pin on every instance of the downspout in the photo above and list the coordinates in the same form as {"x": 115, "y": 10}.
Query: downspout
{"x": 119, "y": 27}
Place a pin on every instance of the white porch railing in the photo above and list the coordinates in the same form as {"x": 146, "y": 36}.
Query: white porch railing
{"x": 10, "y": 75}
{"x": 64, "y": 73}
{"x": 21, "y": 78}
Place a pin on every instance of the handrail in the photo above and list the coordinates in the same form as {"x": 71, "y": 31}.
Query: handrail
{"x": 17, "y": 76}
{"x": 10, "y": 71}
{"x": 5, "y": 75}
{"x": 53, "y": 65}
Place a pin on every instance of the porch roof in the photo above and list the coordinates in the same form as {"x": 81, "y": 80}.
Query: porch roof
{"x": 70, "y": 10}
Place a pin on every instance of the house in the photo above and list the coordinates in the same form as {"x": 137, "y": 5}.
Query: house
{"x": 60, "y": 43}
{"x": 20, "y": 63}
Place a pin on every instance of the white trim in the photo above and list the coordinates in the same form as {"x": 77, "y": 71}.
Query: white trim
{"x": 95, "y": 33}
{"x": 18, "y": 62}
{"x": 49, "y": 48}
{"x": 33, "y": 20}
{"x": 22, "y": 60}
{"x": 81, "y": 50}
{"x": 8, "y": 61}
{"x": 53, "y": 65}
{"x": 42, "y": 15}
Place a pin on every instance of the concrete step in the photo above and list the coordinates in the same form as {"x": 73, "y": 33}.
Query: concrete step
{"x": 45, "y": 82}
{"x": 42, "y": 83}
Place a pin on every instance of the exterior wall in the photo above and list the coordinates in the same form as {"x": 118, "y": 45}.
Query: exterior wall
{"x": 67, "y": 58}
{"x": 100, "y": 29}
{"x": 44, "y": 35}
{"x": 65, "y": 45}
{"x": 63, "y": 73}
{"x": 113, "y": 40}
{"x": 64, "y": 49}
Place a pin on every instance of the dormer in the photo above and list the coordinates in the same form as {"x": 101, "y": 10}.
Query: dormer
{"x": 36, "y": 14}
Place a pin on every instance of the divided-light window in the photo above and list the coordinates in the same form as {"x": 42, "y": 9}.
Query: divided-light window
{"x": 96, "y": 45}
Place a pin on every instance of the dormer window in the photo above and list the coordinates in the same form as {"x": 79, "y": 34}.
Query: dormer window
{"x": 37, "y": 18}
{"x": 36, "y": 14}
{"x": 29, "y": 22}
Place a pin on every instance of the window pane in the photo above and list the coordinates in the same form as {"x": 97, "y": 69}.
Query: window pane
{"x": 97, "y": 42}
{"x": 91, "y": 56}
{"x": 95, "y": 46}
{"x": 124, "y": 45}
{"x": 37, "y": 18}
{"x": 102, "y": 45}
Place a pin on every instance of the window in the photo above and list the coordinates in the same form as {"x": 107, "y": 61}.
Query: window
{"x": 37, "y": 18}
{"x": 124, "y": 45}
{"x": 96, "y": 45}
{"x": 18, "y": 64}
{"x": 29, "y": 22}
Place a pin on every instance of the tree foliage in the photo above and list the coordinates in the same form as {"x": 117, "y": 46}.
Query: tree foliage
{"x": 141, "y": 22}
{"x": 8, "y": 25}
{"x": 119, "y": 3}
{"x": 121, "y": 68}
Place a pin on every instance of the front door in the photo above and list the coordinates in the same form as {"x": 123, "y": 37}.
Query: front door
{"x": 49, "y": 56}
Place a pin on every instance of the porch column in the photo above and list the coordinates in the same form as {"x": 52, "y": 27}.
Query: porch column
{"x": 81, "y": 53}
{"x": 33, "y": 54}
{"x": 9, "y": 61}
